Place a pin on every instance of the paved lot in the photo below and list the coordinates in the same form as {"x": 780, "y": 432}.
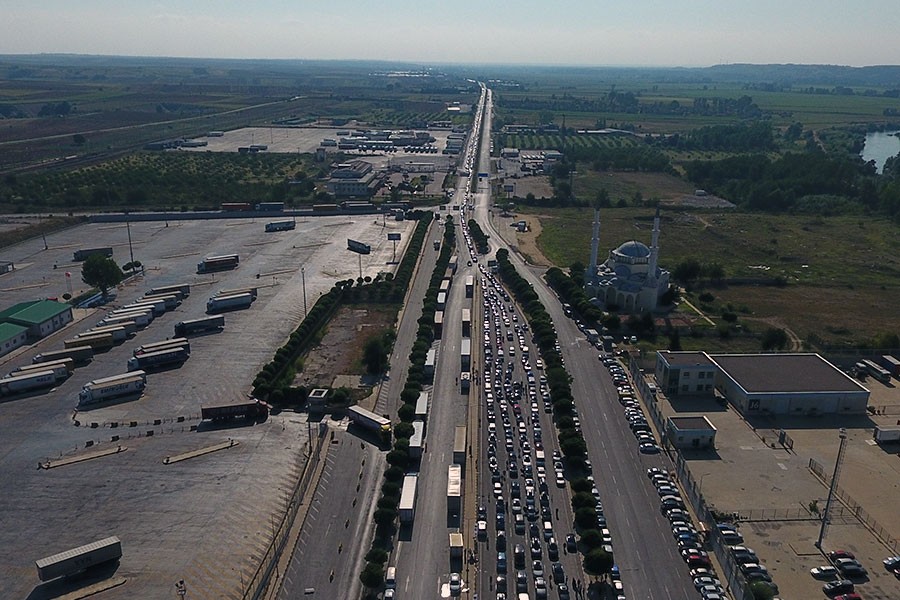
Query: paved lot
{"x": 206, "y": 520}
{"x": 772, "y": 489}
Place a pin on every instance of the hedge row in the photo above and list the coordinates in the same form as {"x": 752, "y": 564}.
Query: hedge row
{"x": 481, "y": 238}
{"x": 573, "y": 294}
{"x": 372, "y": 576}
{"x": 571, "y": 442}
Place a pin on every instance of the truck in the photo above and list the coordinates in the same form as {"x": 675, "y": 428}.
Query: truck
{"x": 408, "y": 499}
{"x": 76, "y": 560}
{"x": 430, "y": 361}
{"x": 252, "y": 410}
{"x": 27, "y": 381}
{"x": 417, "y": 440}
{"x": 877, "y": 372}
{"x": 368, "y": 419}
{"x": 887, "y": 434}
{"x": 236, "y": 206}
{"x": 454, "y": 489}
{"x": 223, "y": 303}
{"x": 470, "y": 286}
{"x": 109, "y": 388}
{"x": 441, "y": 300}
{"x": 438, "y": 324}
{"x": 466, "y": 323}
{"x": 358, "y": 247}
{"x": 178, "y": 342}
{"x": 270, "y": 207}
{"x": 170, "y": 300}
{"x": 158, "y": 307}
{"x": 184, "y": 288}
{"x": 459, "y": 445}
{"x": 422, "y": 407}
{"x": 136, "y": 320}
{"x": 98, "y": 341}
{"x": 79, "y": 354}
{"x": 465, "y": 354}
{"x": 456, "y": 546}
{"x": 454, "y": 263}
{"x": 117, "y": 332}
{"x": 280, "y": 226}
{"x": 183, "y": 328}
{"x": 61, "y": 369}
{"x": 465, "y": 379}
{"x": 160, "y": 358}
{"x": 891, "y": 364}
{"x": 248, "y": 290}
{"x": 224, "y": 262}
{"x": 84, "y": 253}
{"x": 141, "y": 316}
{"x": 130, "y": 327}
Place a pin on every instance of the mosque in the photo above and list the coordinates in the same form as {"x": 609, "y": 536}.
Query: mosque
{"x": 631, "y": 277}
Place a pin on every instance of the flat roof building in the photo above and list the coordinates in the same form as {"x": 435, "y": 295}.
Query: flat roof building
{"x": 11, "y": 337}
{"x": 787, "y": 384}
{"x": 690, "y": 432}
{"x": 39, "y": 317}
{"x": 685, "y": 373}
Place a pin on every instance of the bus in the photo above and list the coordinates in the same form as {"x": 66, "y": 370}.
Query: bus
{"x": 876, "y": 371}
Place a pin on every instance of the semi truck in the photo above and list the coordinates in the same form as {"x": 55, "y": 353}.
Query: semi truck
{"x": 224, "y": 262}
{"x": 368, "y": 419}
{"x": 79, "y": 354}
{"x": 139, "y": 320}
{"x": 109, "y": 388}
{"x": 358, "y": 247}
{"x": 84, "y": 253}
{"x": 438, "y": 324}
{"x": 407, "y": 504}
{"x": 270, "y": 207}
{"x": 417, "y": 440}
{"x": 466, "y": 323}
{"x": 465, "y": 354}
{"x": 183, "y": 328}
{"x": 891, "y": 364}
{"x": 247, "y": 290}
{"x": 61, "y": 369}
{"x": 141, "y": 316}
{"x": 459, "y": 445}
{"x": 223, "y": 303}
{"x": 178, "y": 342}
{"x": 454, "y": 489}
{"x": 27, "y": 381}
{"x": 184, "y": 288}
{"x": 98, "y": 341}
{"x": 160, "y": 358}
{"x": 157, "y": 306}
{"x": 252, "y": 409}
{"x": 887, "y": 434}
{"x": 117, "y": 332}
{"x": 130, "y": 327}
{"x": 76, "y": 560}
{"x": 170, "y": 300}
{"x": 470, "y": 286}
{"x": 280, "y": 226}
{"x": 465, "y": 379}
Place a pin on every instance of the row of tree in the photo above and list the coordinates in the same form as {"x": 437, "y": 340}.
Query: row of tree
{"x": 479, "y": 236}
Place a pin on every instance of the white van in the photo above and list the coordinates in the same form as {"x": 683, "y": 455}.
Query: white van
{"x": 390, "y": 578}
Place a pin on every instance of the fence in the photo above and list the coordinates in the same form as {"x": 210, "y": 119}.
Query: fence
{"x": 259, "y": 582}
{"x": 853, "y": 508}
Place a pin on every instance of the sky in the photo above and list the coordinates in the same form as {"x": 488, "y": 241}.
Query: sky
{"x": 563, "y": 32}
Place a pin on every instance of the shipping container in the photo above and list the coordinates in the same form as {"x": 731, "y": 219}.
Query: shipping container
{"x": 192, "y": 326}
{"x": 79, "y": 354}
{"x": 76, "y": 560}
{"x": 407, "y": 506}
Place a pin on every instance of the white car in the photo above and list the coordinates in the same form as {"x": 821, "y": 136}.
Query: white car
{"x": 824, "y": 572}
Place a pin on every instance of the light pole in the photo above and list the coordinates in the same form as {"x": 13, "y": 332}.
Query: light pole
{"x": 130, "y": 248}
{"x": 834, "y": 479}
{"x": 303, "y": 279}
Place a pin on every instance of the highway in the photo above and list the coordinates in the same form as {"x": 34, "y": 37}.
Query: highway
{"x": 644, "y": 548}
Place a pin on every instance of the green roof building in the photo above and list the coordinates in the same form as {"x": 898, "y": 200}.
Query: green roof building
{"x": 40, "y": 318}
{"x": 11, "y": 337}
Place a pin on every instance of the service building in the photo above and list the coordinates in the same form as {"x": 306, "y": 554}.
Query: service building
{"x": 39, "y": 317}
{"x": 685, "y": 374}
{"x": 690, "y": 432}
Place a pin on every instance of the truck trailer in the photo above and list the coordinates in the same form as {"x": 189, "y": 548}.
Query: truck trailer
{"x": 106, "y": 389}
{"x": 32, "y": 380}
{"x": 76, "y": 560}
{"x": 252, "y": 409}
{"x": 224, "y": 262}
{"x": 159, "y": 307}
{"x": 79, "y": 354}
{"x": 97, "y": 341}
{"x": 183, "y": 328}
{"x": 184, "y": 288}
{"x": 223, "y": 303}
{"x": 368, "y": 419}
{"x": 160, "y": 358}
{"x": 84, "y": 253}
{"x": 178, "y": 342}
{"x": 61, "y": 369}
{"x": 117, "y": 332}
{"x": 454, "y": 489}
{"x": 407, "y": 504}
{"x": 171, "y": 301}
{"x": 280, "y": 226}
{"x": 130, "y": 327}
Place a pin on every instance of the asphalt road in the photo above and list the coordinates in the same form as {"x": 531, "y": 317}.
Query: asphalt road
{"x": 642, "y": 540}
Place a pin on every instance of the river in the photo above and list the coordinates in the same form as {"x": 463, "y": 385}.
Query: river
{"x": 880, "y": 146}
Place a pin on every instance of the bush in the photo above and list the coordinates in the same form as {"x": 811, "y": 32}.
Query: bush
{"x": 404, "y": 430}
{"x": 377, "y": 555}
{"x": 372, "y": 576}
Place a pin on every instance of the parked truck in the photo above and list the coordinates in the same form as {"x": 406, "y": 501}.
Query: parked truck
{"x": 470, "y": 286}
{"x": 235, "y": 302}
{"x": 130, "y": 327}
{"x": 459, "y": 445}
{"x": 368, "y": 419}
{"x": 157, "y": 306}
{"x": 177, "y": 342}
{"x": 280, "y": 226}
{"x": 117, "y": 333}
{"x": 61, "y": 369}
{"x": 454, "y": 489}
{"x": 887, "y": 434}
{"x": 171, "y": 301}
{"x": 183, "y": 328}
{"x": 407, "y": 504}
{"x": 465, "y": 354}
{"x": 224, "y": 262}
{"x": 456, "y": 545}
{"x": 76, "y": 560}
{"x": 27, "y": 381}
{"x": 79, "y": 354}
{"x": 97, "y": 341}
{"x": 108, "y": 388}
{"x": 160, "y": 358}
{"x": 252, "y": 409}
{"x": 84, "y": 253}
{"x": 141, "y": 316}
{"x": 184, "y": 288}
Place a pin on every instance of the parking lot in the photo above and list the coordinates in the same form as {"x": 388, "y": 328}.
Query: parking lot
{"x": 205, "y": 520}
{"x": 772, "y": 488}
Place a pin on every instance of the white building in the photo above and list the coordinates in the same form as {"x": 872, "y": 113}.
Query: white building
{"x": 685, "y": 373}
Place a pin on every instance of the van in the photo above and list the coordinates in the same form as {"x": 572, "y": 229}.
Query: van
{"x": 390, "y": 578}
{"x": 548, "y": 530}
{"x": 519, "y": 556}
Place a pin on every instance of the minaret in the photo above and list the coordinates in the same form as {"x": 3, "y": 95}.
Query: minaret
{"x": 591, "y": 274}
{"x": 654, "y": 253}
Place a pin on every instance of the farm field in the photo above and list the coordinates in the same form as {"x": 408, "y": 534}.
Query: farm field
{"x": 848, "y": 265}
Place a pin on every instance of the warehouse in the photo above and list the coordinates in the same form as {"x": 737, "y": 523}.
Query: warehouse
{"x": 787, "y": 384}
{"x": 39, "y": 317}
{"x": 11, "y": 337}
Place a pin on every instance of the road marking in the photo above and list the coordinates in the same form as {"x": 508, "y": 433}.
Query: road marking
{"x": 783, "y": 468}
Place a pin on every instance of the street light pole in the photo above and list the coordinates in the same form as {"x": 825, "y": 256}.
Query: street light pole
{"x": 834, "y": 479}
{"x": 303, "y": 279}
{"x": 130, "y": 248}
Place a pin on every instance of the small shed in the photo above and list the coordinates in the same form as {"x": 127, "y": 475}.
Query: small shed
{"x": 691, "y": 432}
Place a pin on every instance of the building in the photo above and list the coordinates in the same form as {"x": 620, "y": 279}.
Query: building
{"x": 787, "y": 384}
{"x": 355, "y": 178}
{"x": 631, "y": 278}
{"x": 685, "y": 374}
{"x": 11, "y": 337}
{"x": 509, "y": 153}
{"x": 39, "y": 317}
{"x": 687, "y": 433}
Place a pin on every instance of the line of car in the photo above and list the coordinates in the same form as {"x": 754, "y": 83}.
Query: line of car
{"x": 637, "y": 420}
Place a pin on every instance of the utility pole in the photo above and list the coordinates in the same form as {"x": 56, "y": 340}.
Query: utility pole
{"x": 834, "y": 479}
{"x": 130, "y": 248}
{"x": 303, "y": 279}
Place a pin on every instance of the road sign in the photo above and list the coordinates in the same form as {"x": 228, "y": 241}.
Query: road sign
{"x": 393, "y": 237}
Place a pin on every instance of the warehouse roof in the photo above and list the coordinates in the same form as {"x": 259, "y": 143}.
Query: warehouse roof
{"x": 9, "y": 330}
{"x": 686, "y": 359}
{"x": 39, "y": 312}
{"x": 6, "y": 313}
{"x": 785, "y": 373}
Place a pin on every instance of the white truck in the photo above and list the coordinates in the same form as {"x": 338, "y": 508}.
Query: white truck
{"x": 184, "y": 288}
{"x": 887, "y": 434}
{"x": 27, "y": 381}
{"x": 235, "y": 302}
{"x": 112, "y": 387}
{"x": 118, "y": 333}
{"x": 160, "y": 358}
{"x": 407, "y": 506}
{"x": 79, "y": 354}
{"x": 157, "y": 306}
{"x": 178, "y": 342}
{"x": 132, "y": 313}
{"x": 130, "y": 327}
{"x": 61, "y": 368}
{"x": 170, "y": 300}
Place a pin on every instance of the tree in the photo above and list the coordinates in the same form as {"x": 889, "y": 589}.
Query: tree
{"x": 774, "y": 339}
{"x": 598, "y": 562}
{"x": 101, "y": 272}
{"x": 372, "y": 575}
{"x": 761, "y": 591}
{"x": 78, "y": 139}
{"x": 374, "y": 356}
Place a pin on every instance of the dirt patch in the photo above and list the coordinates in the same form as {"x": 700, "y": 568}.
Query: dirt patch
{"x": 338, "y": 356}
{"x": 537, "y": 185}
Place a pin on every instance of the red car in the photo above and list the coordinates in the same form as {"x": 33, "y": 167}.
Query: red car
{"x": 840, "y": 554}
{"x": 851, "y": 596}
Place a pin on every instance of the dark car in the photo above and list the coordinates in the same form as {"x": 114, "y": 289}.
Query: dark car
{"x": 841, "y": 586}
{"x": 571, "y": 543}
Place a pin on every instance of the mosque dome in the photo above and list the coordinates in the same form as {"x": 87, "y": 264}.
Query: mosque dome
{"x": 633, "y": 249}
